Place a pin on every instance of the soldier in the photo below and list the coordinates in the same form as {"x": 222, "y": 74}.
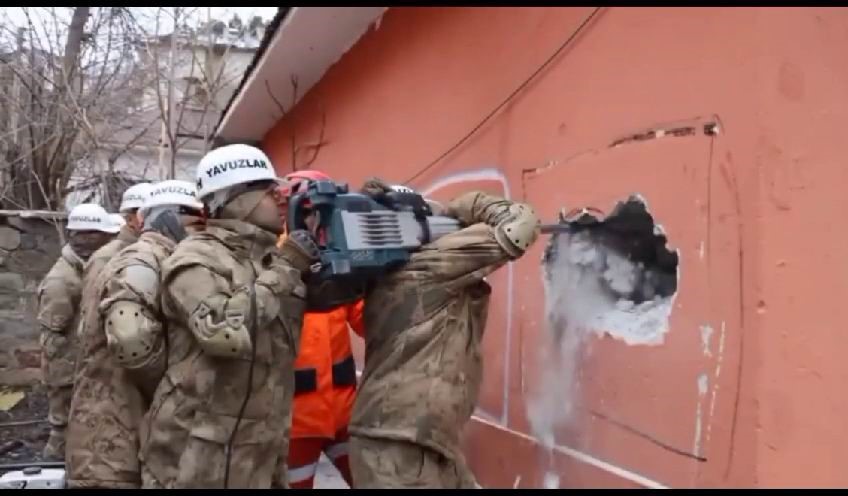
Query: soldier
{"x": 122, "y": 345}
{"x": 59, "y": 294}
{"x": 233, "y": 303}
{"x": 131, "y": 201}
{"x": 424, "y": 327}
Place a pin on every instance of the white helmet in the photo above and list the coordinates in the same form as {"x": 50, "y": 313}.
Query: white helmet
{"x": 91, "y": 217}
{"x": 134, "y": 197}
{"x": 172, "y": 192}
{"x": 229, "y": 166}
{"x": 118, "y": 220}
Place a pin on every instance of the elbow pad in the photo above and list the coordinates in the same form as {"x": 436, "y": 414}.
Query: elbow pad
{"x": 518, "y": 230}
{"x": 132, "y": 334}
{"x": 227, "y": 337}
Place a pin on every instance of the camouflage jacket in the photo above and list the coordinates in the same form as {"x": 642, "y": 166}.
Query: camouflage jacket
{"x": 196, "y": 406}
{"x": 98, "y": 259}
{"x": 423, "y": 329}
{"x": 92, "y": 268}
{"x": 109, "y": 401}
{"x": 58, "y": 304}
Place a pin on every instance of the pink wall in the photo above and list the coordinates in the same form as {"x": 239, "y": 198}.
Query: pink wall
{"x": 753, "y": 212}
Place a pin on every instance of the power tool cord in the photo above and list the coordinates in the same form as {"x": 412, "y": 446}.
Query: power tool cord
{"x": 252, "y": 330}
{"x": 509, "y": 98}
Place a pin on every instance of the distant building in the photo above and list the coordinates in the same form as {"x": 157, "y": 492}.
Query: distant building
{"x": 208, "y": 66}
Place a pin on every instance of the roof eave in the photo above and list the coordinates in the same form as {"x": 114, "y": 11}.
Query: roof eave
{"x": 306, "y": 42}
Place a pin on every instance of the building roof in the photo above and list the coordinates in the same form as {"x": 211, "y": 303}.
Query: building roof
{"x": 270, "y": 31}
{"x": 300, "y": 42}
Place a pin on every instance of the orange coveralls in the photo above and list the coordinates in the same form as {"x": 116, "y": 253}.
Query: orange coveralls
{"x": 325, "y": 388}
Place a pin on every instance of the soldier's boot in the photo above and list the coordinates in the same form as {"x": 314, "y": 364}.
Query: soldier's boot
{"x": 54, "y": 450}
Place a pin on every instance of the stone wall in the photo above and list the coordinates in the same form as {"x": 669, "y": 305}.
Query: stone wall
{"x": 29, "y": 245}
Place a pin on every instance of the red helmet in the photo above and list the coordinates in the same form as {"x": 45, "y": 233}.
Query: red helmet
{"x": 293, "y": 182}
{"x": 311, "y": 175}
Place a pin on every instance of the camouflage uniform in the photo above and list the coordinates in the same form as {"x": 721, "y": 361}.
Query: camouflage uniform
{"x": 98, "y": 259}
{"x": 196, "y": 405}
{"x": 110, "y": 400}
{"x": 58, "y": 303}
{"x": 92, "y": 268}
{"x": 423, "y": 365}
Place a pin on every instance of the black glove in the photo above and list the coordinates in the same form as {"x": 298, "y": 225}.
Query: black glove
{"x": 300, "y": 250}
{"x": 323, "y": 295}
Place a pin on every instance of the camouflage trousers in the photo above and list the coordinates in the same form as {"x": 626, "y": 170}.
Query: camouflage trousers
{"x": 58, "y": 405}
{"x": 390, "y": 464}
{"x": 149, "y": 481}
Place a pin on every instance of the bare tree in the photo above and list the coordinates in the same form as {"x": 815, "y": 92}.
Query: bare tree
{"x": 71, "y": 80}
{"x": 197, "y": 65}
{"x": 89, "y": 96}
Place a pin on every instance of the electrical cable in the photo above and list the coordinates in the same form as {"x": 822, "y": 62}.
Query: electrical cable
{"x": 508, "y": 98}
{"x": 228, "y": 452}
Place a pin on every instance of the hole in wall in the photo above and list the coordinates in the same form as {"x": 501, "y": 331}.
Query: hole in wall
{"x": 609, "y": 275}
{"x": 604, "y": 273}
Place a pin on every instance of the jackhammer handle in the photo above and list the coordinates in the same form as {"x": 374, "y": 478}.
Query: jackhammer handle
{"x": 295, "y": 218}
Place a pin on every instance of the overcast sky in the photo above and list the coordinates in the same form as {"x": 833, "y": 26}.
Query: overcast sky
{"x": 15, "y": 15}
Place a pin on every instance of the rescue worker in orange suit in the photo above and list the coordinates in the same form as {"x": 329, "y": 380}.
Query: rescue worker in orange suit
{"x": 325, "y": 372}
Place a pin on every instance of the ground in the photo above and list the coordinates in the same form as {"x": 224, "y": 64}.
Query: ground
{"x": 23, "y": 428}
{"x": 23, "y": 443}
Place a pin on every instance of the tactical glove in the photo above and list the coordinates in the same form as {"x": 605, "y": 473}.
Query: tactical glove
{"x": 377, "y": 189}
{"x": 300, "y": 250}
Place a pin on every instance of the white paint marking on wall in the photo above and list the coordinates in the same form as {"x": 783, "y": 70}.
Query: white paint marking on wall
{"x": 702, "y": 250}
{"x": 716, "y": 374}
{"x": 582, "y": 457}
{"x": 517, "y": 482}
{"x": 706, "y": 336}
{"x": 486, "y": 415}
{"x": 703, "y": 386}
{"x": 488, "y": 174}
